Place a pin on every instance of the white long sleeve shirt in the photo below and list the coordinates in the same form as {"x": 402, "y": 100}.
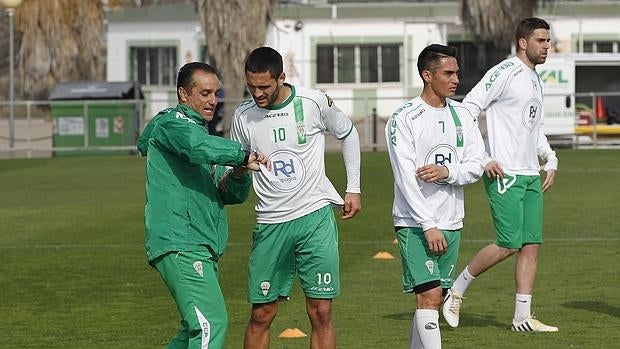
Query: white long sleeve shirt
{"x": 417, "y": 135}
{"x": 511, "y": 93}
{"x": 292, "y": 136}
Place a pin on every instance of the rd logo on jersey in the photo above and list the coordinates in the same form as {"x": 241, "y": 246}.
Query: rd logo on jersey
{"x": 531, "y": 114}
{"x": 287, "y": 169}
{"x": 440, "y": 155}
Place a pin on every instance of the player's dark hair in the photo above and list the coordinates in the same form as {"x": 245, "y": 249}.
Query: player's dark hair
{"x": 264, "y": 59}
{"x": 431, "y": 56}
{"x": 185, "y": 78}
{"x": 527, "y": 26}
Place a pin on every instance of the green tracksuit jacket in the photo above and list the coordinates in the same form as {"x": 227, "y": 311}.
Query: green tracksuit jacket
{"x": 185, "y": 197}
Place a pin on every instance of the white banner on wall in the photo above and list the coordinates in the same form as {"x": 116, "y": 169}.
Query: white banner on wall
{"x": 70, "y": 126}
{"x": 102, "y": 128}
{"x": 558, "y": 76}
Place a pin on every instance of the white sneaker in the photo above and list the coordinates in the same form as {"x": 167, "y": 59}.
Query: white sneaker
{"x": 530, "y": 324}
{"x": 451, "y": 307}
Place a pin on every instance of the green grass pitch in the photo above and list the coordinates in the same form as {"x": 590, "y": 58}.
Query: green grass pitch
{"x": 73, "y": 272}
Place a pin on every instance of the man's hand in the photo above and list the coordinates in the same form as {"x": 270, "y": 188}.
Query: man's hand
{"x": 549, "y": 179}
{"x": 436, "y": 241}
{"x": 494, "y": 170}
{"x": 432, "y": 173}
{"x": 256, "y": 159}
{"x": 352, "y": 205}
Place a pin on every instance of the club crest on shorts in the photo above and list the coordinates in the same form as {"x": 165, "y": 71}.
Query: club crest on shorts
{"x": 198, "y": 268}
{"x": 264, "y": 286}
{"x": 430, "y": 266}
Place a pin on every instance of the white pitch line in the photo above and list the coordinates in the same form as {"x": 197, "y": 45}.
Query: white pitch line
{"x": 355, "y": 242}
{"x": 370, "y": 242}
{"x": 591, "y": 170}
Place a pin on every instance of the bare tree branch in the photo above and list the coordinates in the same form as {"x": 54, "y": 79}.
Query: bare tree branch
{"x": 232, "y": 29}
{"x": 494, "y": 21}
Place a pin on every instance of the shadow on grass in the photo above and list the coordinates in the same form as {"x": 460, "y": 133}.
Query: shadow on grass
{"x": 472, "y": 320}
{"x": 594, "y": 306}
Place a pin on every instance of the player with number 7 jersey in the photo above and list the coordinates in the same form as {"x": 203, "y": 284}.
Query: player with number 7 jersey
{"x": 435, "y": 149}
{"x": 419, "y": 134}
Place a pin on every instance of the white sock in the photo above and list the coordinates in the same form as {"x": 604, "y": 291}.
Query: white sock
{"x": 414, "y": 337}
{"x": 427, "y": 322}
{"x": 462, "y": 282}
{"x": 523, "y": 306}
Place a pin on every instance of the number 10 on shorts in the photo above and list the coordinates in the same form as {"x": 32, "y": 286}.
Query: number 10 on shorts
{"x": 324, "y": 279}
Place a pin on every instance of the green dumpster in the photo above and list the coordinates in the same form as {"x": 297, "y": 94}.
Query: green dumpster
{"x": 93, "y": 117}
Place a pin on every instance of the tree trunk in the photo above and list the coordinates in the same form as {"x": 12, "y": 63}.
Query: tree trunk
{"x": 61, "y": 40}
{"x": 232, "y": 29}
{"x": 495, "y": 21}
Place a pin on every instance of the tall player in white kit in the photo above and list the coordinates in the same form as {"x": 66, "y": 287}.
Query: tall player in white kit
{"x": 435, "y": 148}
{"x": 512, "y": 93}
{"x": 296, "y": 230}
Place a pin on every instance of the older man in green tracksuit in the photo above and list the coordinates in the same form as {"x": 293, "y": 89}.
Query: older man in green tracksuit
{"x": 190, "y": 176}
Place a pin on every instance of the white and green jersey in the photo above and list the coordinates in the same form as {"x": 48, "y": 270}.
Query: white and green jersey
{"x": 418, "y": 135}
{"x": 512, "y": 95}
{"x": 292, "y": 135}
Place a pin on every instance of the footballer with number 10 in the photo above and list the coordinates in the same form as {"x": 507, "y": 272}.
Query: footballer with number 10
{"x": 296, "y": 232}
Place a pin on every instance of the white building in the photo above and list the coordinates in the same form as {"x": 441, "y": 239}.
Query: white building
{"x": 362, "y": 53}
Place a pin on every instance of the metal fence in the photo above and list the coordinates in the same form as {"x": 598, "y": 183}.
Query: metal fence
{"x": 38, "y": 128}
{"x": 48, "y": 128}
{"x": 598, "y": 125}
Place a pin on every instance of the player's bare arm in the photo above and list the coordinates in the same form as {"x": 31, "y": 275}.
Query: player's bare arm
{"x": 256, "y": 159}
{"x": 436, "y": 241}
{"x": 549, "y": 180}
{"x": 433, "y": 172}
{"x": 352, "y": 205}
{"x": 494, "y": 170}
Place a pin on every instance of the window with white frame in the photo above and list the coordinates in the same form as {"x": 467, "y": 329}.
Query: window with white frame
{"x": 600, "y": 46}
{"x": 358, "y": 63}
{"x": 154, "y": 65}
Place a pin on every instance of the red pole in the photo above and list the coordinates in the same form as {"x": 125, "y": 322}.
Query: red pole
{"x": 600, "y": 111}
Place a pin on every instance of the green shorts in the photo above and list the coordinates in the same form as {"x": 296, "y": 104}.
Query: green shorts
{"x": 420, "y": 265}
{"x": 192, "y": 278}
{"x": 307, "y": 246}
{"x": 517, "y": 208}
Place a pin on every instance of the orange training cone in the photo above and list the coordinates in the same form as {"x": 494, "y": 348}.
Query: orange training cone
{"x": 292, "y": 333}
{"x": 383, "y": 255}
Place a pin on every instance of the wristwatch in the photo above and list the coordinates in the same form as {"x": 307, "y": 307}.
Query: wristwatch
{"x": 246, "y": 158}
